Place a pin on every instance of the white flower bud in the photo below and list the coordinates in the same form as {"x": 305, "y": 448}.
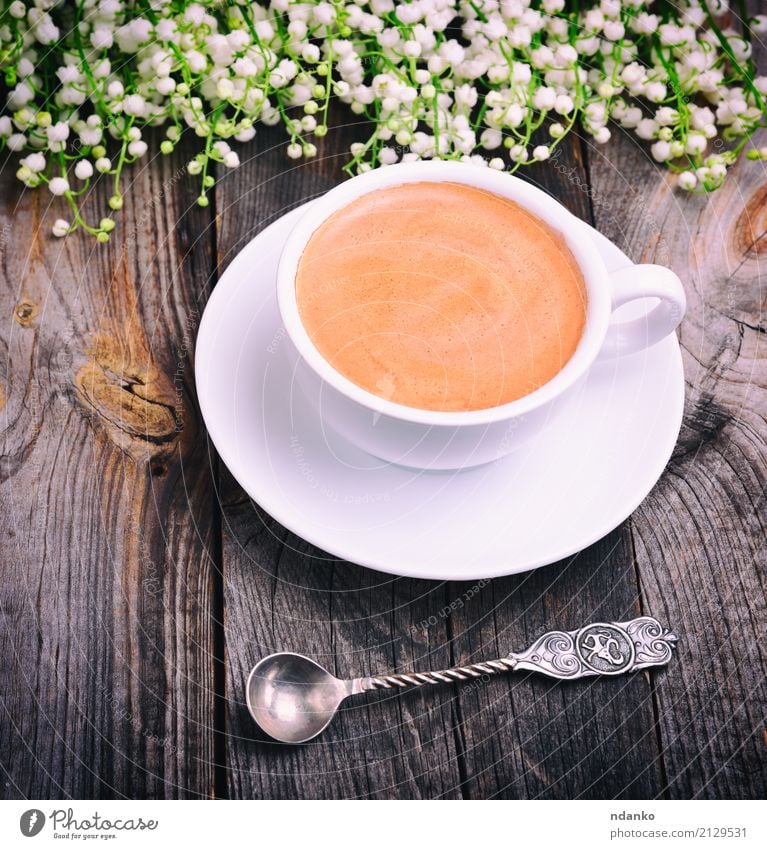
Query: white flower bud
{"x": 687, "y": 180}
{"x": 647, "y": 129}
{"x": 490, "y": 139}
{"x": 387, "y": 156}
{"x": 645, "y": 24}
{"x": 518, "y": 153}
{"x": 58, "y": 132}
{"x": 594, "y": 19}
{"x": 412, "y": 49}
{"x": 83, "y": 170}
{"x": 513, "y": 116}
{"x": 102, "y": 37}
{"x": 696, "y": 143}
{"x": 165, "y": 86}
{"x": 35, "y": 162}
{"x": 565, "y": 55}
{"x": 661, "y": 151}
{"x": 225, "y": 88}
{"x": 17, "y": 141}
{"x": 544, "y": 98}
{"x": 134, "y": 104}
{"x": 58, "y": 186}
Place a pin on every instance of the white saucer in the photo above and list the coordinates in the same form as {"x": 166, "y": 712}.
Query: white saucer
{"x": 580, "y": 479}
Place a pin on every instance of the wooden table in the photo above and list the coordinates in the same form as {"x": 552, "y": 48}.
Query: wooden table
{"x": 139, "y": 583}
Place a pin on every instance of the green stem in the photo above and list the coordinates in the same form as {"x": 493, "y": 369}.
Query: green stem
{"x": 743, "y": 74}
{"x": 208, "y": 146}
{"x": 95, "y": 89}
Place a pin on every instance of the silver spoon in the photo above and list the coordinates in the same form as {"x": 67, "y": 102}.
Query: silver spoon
{"x": 293, "y": 699}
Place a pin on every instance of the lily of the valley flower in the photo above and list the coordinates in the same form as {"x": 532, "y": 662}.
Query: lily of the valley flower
{"x": 456, "y": 79}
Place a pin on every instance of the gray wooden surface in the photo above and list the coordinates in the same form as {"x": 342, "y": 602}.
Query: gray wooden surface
{"x": 138, "y": 583}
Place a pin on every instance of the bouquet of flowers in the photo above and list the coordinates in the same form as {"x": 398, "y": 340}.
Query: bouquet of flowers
{"x": 497, "y": 82}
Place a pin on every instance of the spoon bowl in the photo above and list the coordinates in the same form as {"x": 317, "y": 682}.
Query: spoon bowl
{"x": 292, "y": 698}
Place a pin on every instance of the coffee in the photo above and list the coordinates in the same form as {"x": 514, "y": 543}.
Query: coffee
{"x": 441, "y": 296}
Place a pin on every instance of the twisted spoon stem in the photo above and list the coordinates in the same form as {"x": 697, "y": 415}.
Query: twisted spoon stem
{"x": 602, "y": 648}
{"x": 444, "y": 676}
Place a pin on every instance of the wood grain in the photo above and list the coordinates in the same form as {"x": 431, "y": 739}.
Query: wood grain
{"x": 138, "y": 583}
{"x": 106, "y": 633}
{"x": 529, "y": 737}
{"x": 699, "y": 536}
{"x": 281, "y": 593}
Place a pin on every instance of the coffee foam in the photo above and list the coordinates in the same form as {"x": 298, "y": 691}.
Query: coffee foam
{"x": 441, "y": 296}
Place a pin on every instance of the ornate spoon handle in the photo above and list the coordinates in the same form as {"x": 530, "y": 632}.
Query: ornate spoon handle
{"x": 602, "y": 648}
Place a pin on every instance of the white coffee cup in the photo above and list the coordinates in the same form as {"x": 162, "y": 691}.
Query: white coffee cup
{"x": 427, "y": 439}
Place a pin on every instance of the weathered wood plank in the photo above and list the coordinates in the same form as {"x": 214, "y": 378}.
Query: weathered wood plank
{"x": 528, "y": 737}
{"x": 699, "y": 536}
{"x": 106, "y": 685}
{"x": 109, "y": 602}
{"x": 281, "y": 593}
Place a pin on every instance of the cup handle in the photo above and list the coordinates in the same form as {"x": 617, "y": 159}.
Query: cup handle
{"x": 634, "y": 283}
